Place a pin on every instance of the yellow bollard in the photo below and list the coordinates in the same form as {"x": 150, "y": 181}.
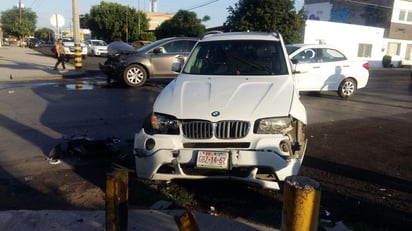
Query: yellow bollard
{"x": 301, "y": 201}
{"x": 116, "y": 200}
{"x": 77, "y": 56}
{"x": 187, "y": 222}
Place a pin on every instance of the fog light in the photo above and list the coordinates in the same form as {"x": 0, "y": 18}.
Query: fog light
{"x": 284, "y": 146}
{"x": 150, "y": 144}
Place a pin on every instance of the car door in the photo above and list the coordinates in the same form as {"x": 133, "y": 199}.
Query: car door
{"x": 325, "y": 73}
{"x": 170, "y": 53}
{"x": 332, "y": 66}
{"x": 308, "y": 72}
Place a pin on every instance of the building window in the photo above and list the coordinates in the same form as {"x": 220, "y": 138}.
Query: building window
{"x": 405, "y": 16}
{"x": 408, "y": 54}
{"x": 402, "y": 14}
{"x": 393, "y": 48}
{"x": 409, "y": 17}
{"x": 364, "y": 50}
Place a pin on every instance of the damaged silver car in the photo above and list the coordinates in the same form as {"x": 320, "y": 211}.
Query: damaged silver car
{"x": 135, "y": 67}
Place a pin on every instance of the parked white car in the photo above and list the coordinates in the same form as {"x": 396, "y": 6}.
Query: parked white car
{"x": 233, "y": 112}
{"x": 325, "y": 68}
{"x": 96, "y": 47}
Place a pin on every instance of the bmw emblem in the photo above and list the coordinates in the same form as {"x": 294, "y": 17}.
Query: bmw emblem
{"x": 215, "y": 113}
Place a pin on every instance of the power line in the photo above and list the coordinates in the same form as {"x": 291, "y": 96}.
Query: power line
{"x": 31, "y": 6}
{"x": 203, "y": 4}
{"x": 368, "y": 4}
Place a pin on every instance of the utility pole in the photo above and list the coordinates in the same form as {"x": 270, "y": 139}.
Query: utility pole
{"x": 76, "y": 35}
{"x": 138, "y": 18}
{"x": 127, "y": 26}
{"x": 20, "y": 11}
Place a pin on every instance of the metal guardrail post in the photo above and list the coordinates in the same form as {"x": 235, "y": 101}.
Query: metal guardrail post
{"x": 301, "y": 201}
{"x": 116, "y": 200}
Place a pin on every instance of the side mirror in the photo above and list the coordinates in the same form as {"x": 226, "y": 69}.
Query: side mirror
{"x": 159, "y": 50}
{"x": 177, "y": 66}
{"x": 156, "y": 50}
{"x": 294, "y": 62}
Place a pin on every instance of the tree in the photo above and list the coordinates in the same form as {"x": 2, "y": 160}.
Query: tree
{"x": 267, "y": 16}
{"x": 113, "y": 21}
{"x": 44, "y": 33}
{"x": 19, "y": 25}
{"x": 183, "y": 23}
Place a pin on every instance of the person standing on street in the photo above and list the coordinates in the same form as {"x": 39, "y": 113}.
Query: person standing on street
{"x": 60, "y": 55}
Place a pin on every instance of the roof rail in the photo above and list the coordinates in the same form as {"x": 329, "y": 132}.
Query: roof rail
{"x": 212, "y": 32}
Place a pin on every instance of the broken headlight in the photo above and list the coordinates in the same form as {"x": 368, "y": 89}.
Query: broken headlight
{"x": 164, "y": 124}
{"x": 275, "y": 125}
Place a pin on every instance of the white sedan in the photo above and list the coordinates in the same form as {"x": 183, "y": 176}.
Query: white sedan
{"x": 96, "y": 47}
{"x": 324, "y": 68}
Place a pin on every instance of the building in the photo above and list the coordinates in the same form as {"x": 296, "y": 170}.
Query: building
{"x": 368, "y": 28}
{"x": 155, "y": 19}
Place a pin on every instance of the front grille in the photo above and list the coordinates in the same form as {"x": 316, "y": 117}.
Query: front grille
{"x": 197, "y": 129}
{"x": 231, "y": 129}
{"x": 227, "y": 129}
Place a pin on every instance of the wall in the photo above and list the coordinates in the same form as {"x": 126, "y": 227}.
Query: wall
{"x": 400, "y": 32}
{"x": 347, "y": 37}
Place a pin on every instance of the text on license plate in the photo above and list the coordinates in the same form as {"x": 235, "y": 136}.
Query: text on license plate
{"x": 212, "y": 159}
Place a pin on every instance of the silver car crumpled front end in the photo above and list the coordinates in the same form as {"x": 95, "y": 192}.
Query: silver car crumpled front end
{"x": 117, "y": 52}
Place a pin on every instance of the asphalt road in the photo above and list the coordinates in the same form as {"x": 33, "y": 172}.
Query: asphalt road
{"x": 358, "y": 148}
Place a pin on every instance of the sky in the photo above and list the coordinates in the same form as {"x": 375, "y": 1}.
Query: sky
{"x": 216, "y": 9}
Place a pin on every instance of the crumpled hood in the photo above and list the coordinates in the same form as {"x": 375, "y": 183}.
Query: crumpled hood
{"x": 233, "y": 97}
{"x": 119, "y": 47}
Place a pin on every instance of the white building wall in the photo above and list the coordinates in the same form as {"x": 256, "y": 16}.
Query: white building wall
{"x": 399, "y": 5}
{"x": 347, "y": 37}
{"x": 405, "y": 55}
{"x": 403, "y": 58}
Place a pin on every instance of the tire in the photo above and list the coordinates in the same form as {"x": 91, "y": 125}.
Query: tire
{"x": 347, "y": 88}
{"x": 134, "y": 75}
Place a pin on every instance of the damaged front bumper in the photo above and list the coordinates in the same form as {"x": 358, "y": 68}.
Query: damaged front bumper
{"x": 260, "y": 163}
{"x": 111, "y": 69}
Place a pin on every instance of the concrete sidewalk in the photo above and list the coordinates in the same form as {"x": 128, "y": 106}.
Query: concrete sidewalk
{"x": 143, "y": 220}
{"x": 25, "y": 64}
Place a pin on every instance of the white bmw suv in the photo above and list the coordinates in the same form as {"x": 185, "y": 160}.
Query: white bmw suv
{"x": 233, "y": 112}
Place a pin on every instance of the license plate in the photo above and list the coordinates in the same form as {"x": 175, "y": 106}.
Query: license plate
{"x": 212, "y": 159}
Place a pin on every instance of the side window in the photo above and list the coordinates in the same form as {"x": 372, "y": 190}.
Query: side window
{"x": 332, "y": 55}
{"x": 189, "y": 45}
{"x": 175, "y": 46}
{"x": 307, "y": 56}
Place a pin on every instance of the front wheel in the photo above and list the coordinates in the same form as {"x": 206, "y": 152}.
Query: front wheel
{"x": 134, "y": 75}
{"x": 347, "y": 88}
